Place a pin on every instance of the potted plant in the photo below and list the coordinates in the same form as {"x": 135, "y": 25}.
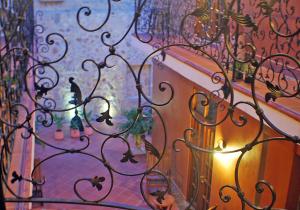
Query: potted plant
{"x": 74, "y": 130}
{"x": 88, "y": 131}
{"x": 58, "y": 120}
{"x": 238, "y": 70}
{"x": 142, "y": 126}
{"x": 249, "y": 77}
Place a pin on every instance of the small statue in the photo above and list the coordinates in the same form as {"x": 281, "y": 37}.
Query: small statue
{"x": 76, "y": 122}
{"x": 77, "y": 98}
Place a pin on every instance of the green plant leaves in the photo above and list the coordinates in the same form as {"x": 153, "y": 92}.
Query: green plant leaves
{"x": 58, "y": 120}
{"x": 143, "y": 123}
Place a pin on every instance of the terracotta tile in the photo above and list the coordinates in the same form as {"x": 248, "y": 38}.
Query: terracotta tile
{"x": 61, "y": 172}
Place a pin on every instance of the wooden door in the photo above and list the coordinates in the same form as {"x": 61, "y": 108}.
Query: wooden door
{"x": 204, "y": 137}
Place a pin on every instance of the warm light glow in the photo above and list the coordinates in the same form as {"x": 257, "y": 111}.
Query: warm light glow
{"x": 113, "y": 111}
{"x": 103, "y": 107}
{"x": 227, "y": 160}
{"x": 220, "y": 146}
{"x": 113, "y": 101}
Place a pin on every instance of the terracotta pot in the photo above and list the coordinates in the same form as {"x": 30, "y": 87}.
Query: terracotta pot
{"x": 74, "y": 133}
{"x": 59, "y": 135}
{"x": 88, "y": 131}
{"x": 137, "y": 145}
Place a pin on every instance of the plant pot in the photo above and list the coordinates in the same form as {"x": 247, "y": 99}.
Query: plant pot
{"x": 249, "y": 79}
{"x": 88, "y": 131}
{"x": 74, "y": 133}
{"x": 138, "y": 141}
{"x": 59, "y": 135}
{"x": 137, "y": 145}
{"x": 238, "y": 75}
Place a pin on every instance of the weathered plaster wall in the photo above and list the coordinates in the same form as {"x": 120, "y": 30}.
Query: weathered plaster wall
{"x": 117, "y": 83}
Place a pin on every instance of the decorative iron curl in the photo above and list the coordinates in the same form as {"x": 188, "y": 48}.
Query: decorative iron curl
{"x": 87, "y": 12}
{"x": 203, "y": 47}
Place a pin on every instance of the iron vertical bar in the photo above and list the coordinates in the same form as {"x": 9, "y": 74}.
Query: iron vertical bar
{"x": 236, "y": 40}
{"x": 2, "y": 202}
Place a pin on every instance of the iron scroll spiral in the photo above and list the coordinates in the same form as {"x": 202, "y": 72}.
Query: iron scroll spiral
{"x": 213, "y": 42}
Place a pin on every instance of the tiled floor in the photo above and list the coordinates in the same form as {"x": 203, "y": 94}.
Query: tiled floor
{"x": 61, "y": 172}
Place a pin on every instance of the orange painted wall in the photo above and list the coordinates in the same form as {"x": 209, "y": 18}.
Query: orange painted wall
{"x": 177, "y": 118}
{"x": 275, "y": 165}
{"x": 275, "y": 161}
{"x": 278, "y": 170}
{"x": 294, "y": 190}
{"x": 224, "y": 167}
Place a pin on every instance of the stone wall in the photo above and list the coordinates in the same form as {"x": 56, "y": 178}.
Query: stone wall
{"x": 117, "y": 83}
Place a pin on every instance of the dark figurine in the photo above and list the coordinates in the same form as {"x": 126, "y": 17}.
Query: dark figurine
{"x": 77, "y": 122}
{"x": 77, "y": 98}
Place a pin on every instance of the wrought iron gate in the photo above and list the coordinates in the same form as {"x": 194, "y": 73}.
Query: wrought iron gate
{"x": 205, "y": 139}
{"x": 226, "y": 33}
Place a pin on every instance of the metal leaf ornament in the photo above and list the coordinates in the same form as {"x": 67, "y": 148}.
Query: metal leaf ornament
{"x": 149, "y": 147}
{"x": 128, "y": 156}
{"x": 201, "y": 13}
{"x": 274, "y": 93}
{"x": 267, "y": 8}
{"x": 16, "y": 177}
{"x": 96, "y": 182}
{"x": 40, "y": 90}
{"x": 105, "y": 116}
{"x": 243, "y": 20}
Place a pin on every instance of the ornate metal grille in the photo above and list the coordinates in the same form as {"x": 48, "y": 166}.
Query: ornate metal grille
{"x": 223, "y": 31}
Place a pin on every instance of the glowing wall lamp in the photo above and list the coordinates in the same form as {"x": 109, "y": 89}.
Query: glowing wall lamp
{"x": 227, "y": 160}
{"x": 220, "y": 146}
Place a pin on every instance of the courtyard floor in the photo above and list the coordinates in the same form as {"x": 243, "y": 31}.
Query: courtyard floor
{"x": 61, "y": 172}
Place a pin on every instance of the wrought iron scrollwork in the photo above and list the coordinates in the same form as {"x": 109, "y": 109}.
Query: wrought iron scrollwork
{"x": 207, "y": 30}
